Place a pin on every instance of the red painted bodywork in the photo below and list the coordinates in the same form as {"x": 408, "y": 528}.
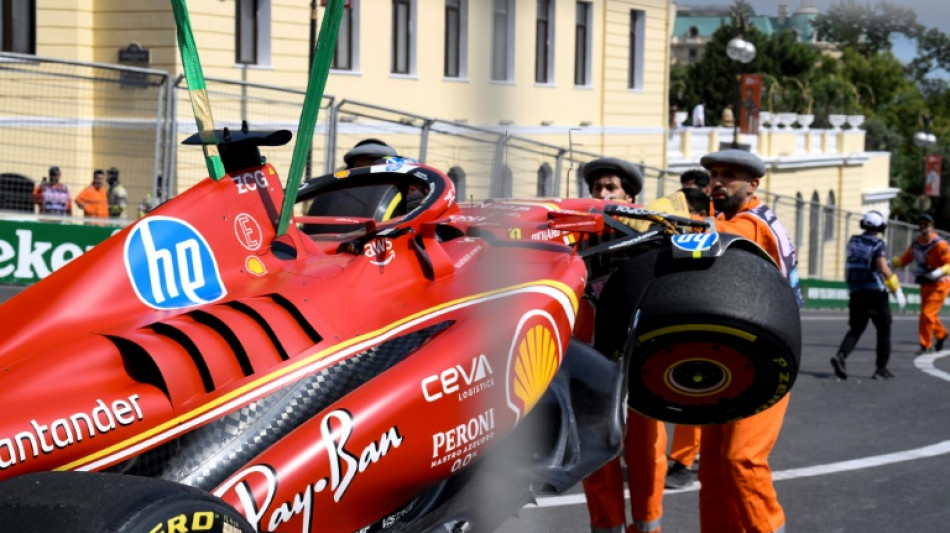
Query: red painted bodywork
{"x": 71, "y": 401}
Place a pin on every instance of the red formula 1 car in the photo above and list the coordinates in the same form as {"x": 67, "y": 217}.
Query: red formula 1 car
{"x": 394, "y": 361}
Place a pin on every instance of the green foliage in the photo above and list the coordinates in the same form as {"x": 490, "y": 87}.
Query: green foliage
{"x": 866, "y": 28}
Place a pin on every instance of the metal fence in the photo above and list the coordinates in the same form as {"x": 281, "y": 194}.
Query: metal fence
{"x": 79, "y": 117}
{"x": 83, "y": 116}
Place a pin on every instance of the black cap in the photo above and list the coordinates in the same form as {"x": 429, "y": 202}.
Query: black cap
{"x": 734, "y": 157}
{"x": 369, "y": 147}
{"x": 924, "y": 217}
{"x": 631, "y": 179}
{"x": 113, "y": 171}
{"x": 54, "y": 170}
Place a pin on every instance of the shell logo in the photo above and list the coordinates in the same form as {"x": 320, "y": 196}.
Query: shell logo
{"x": 533, "y": 360}
{"x": 255, "y": 266}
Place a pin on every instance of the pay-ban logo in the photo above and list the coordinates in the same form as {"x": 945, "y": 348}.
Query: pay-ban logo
{"x": 695, "y": 242}
{"x": 171, "y": 265}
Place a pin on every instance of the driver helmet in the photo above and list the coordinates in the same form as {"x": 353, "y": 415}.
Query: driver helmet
{"x": 368, "y": 148}
{"x": 873, "y": 221}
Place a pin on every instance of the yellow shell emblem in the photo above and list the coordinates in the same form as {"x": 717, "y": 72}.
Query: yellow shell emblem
{"x": 535, "y": 363}
{"x": 255, "y": 266}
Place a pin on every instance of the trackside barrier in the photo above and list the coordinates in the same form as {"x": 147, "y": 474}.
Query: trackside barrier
{"x": 825, "y": 294}
{"x": 31, "y": 250}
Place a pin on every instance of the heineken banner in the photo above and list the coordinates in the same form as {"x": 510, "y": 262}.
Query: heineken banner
{"x": 822, "y": 294}
{"x": 30, "y": 251}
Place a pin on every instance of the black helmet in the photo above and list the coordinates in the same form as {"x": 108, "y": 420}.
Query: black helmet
{"x": 873, "y": 221}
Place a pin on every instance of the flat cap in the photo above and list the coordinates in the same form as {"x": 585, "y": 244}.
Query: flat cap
{"x": 369, "y": 147}
{"x": 630, "y": 176}
{"x": 739, "y": 158}
{"x": 924, "y": 217}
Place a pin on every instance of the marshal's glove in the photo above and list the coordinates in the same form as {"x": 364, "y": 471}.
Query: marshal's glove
{"x": 938, "y": 273}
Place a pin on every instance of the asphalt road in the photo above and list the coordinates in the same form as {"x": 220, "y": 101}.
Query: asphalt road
{"x": 859, "y": 455}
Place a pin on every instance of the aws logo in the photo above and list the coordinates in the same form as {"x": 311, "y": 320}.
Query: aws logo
{"x": 171, "y": 265}
{"x": 533, "y": 360}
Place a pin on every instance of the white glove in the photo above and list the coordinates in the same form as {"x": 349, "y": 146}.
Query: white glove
{"x": 901, "y": 299}
{"x": 936, "y": 273}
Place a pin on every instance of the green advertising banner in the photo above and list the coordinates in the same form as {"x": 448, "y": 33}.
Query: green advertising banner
{"x": 30, "y": 251}
{"x": 823, "y": 294}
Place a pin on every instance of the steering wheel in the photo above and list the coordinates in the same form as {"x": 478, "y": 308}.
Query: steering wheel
{"x": 373, "y": 193}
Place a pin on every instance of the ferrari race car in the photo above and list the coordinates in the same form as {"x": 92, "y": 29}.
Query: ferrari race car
{"x": 394, "y": 361}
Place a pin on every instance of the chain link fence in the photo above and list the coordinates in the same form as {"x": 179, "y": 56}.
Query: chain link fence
{"x": 79, "y": 117}
{"x": 83, "y": 116}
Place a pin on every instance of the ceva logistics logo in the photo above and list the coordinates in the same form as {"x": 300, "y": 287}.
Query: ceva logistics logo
{"x": 171, "y": 265}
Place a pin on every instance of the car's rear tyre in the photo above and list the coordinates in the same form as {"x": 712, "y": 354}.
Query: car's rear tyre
{"x": 710, "y": 341}
{"x": 86, "y": 502}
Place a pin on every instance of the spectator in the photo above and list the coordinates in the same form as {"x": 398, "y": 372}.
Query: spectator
{"x": 932, "y": 256}
{"x": 727, "y": 119}
{"x": 736, "y": 491}
{"x": 149, "y": 202}
{"x": 869, "y": 278}
{"x": 699, "y": 115}
{"x": 53, "y": 196}
{"x": 93, "y": 200}
{"x": 367, "y": 152}
{"x": 118, "y": 198}
{"x": 695, "y": 178}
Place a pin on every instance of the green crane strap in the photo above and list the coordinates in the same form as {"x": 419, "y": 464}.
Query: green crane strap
{"x": 196, "y": 90}
{"x": 323, "y": 56}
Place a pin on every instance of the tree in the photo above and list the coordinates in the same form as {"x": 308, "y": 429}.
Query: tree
{"x": 866, "y": 28}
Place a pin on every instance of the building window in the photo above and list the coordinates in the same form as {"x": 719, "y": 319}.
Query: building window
{"x": 456, "y": 38}
{"x": 545, "y": 181}
{"x": 692, "y": 55}
{"x": 503, "y": 40}
{"x": 346, "y": 54}
{"x": 814, "y": 225}
{"x": 404, "y": 40}
{"x": 693, "y": 32}
{"x": 544, "y": 43}
{"x": 19, "y": 26}
{"x": 252, "y": 32}
{"x": 829, "y": 226}
{"x": 637, "y": 31}
{"x": 582, "y": 42}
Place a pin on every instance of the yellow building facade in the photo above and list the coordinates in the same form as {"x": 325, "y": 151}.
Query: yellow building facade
{"x": 592, "y": 75}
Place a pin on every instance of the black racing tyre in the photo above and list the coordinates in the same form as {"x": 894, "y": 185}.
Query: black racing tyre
{"x": 86, "y": 502}
{"x": 710, "y": 341}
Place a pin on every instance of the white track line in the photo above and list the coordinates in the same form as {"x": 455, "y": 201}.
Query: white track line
{"x": 924, "y": 362}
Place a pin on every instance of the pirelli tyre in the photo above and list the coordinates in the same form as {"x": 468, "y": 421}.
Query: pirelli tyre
{"x": 710, "y": 340}
{"x": 86, "y": 502}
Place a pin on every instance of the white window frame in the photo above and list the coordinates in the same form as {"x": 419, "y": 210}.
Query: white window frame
{"x": 588, "y": 42}
{"x": 462, "y": 44}
{"x": 262, "y": 19}
{"x": 637, "y": 44}
{"x": 411, "y": 40}
{"x": 548, "y": 44}
{"x": 354, "y": 38}
{"x": 509, "y": 43}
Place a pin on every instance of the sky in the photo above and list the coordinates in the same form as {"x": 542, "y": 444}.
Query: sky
{"x": 930, "y": 13}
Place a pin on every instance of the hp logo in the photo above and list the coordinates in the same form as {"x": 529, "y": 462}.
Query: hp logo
{"x": 171, "y": 265}
{"x": 695, "y": 242}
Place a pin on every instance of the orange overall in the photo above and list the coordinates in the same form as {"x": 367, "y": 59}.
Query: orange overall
{"x": 685, "y": 445}
{"x": 929, "y": 255}
{"x": 736, "y": 492}
{"x": 644, "y": 444}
